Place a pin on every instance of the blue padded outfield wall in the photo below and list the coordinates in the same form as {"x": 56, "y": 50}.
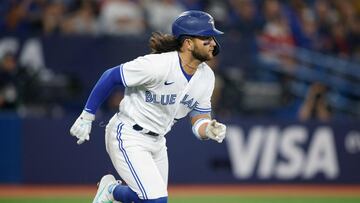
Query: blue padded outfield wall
{"x": 255, "y": 151}
{"x": 10, "y": 148}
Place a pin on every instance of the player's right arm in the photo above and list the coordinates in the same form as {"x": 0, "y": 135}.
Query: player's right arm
{"x": 133, "y": 73}
{"x": 82, "y": 126}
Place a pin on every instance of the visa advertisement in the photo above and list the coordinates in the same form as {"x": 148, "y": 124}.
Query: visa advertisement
{"x": 294, "y": 152}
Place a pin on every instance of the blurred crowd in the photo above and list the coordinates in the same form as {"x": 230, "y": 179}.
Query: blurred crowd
{"x": 329, "y": 27}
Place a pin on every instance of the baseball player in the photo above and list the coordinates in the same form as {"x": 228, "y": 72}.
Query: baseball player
{"x": 160, "y": 88}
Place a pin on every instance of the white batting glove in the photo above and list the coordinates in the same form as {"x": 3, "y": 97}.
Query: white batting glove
{"x": 216, "y": 131}
{"x": 82, "y": 127}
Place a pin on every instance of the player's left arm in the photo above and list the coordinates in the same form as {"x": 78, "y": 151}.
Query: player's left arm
{"x": 204, "y": 128}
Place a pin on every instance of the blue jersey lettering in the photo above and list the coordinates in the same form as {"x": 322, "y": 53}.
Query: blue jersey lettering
{"x": 163, "y": 99}
{"x": 189, "y": 102}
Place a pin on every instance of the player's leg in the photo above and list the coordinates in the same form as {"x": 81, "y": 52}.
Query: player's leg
{"x": 110, "y": 188}
{"x": 140, "y": 173}
{"x": 130, "y": 153}
{"x": 125, "y": 194}
{"x": 162, "y": 163}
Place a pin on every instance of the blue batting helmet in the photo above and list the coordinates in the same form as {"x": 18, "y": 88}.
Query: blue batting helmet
{"x": 196, "y": 23}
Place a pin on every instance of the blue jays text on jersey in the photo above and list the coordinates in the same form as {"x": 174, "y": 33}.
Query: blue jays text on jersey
{"x": 169, "y": 99}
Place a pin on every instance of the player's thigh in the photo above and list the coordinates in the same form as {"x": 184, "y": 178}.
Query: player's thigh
{"x": 135, "y": 165}
{"x": 162, "y": 163}
{"x": 140, "y": 172}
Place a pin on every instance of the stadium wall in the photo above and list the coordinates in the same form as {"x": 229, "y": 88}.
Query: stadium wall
{"x": 255, "y": 151}
{"x": 40, "y": 150}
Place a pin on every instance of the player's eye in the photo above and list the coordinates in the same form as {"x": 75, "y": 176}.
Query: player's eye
{"x": 206, "y": 40}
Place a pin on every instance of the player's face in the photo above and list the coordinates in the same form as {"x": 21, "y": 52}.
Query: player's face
{"x": 203, "y": 48}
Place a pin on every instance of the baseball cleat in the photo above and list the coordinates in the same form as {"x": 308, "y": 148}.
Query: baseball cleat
{"x": 105, "y": 188}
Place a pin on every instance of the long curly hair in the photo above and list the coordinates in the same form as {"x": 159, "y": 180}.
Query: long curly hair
{"x": 161, "y": 43}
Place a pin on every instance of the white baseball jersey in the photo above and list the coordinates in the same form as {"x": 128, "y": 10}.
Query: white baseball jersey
{"x": 157, "y": 91}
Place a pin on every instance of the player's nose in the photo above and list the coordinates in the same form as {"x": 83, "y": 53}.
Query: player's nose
{"x": 212, "y": 42}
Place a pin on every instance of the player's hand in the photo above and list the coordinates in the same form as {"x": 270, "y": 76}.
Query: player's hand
{"x": 82, "y": 127}
{"x": 216, "y": 131}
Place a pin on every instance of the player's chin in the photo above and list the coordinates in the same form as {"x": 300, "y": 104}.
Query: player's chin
{"x": 211, "y": 55}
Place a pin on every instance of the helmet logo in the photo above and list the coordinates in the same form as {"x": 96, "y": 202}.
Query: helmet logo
{"x": 211, "y": 21}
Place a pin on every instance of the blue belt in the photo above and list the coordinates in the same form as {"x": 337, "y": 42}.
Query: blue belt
{"x": 139, "y": 128}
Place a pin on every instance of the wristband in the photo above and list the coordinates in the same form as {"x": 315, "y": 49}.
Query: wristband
{"x": 196, "y": 126}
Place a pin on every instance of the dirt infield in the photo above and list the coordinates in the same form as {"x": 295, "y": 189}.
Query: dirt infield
{"x": 186, "y": 190}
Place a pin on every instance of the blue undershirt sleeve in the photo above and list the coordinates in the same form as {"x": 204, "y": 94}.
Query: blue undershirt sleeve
{"x": 194, "y": 113}
{"x": 109, "y": 79}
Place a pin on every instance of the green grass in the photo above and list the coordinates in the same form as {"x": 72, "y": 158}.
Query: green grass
{"x": 202, "y": 199}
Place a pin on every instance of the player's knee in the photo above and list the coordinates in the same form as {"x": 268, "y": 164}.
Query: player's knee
{"x": 158, "y": 200}
{"x": 156, "y": 193}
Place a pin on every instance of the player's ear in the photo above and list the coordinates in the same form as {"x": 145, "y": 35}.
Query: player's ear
{"x": 189, "y": 44}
